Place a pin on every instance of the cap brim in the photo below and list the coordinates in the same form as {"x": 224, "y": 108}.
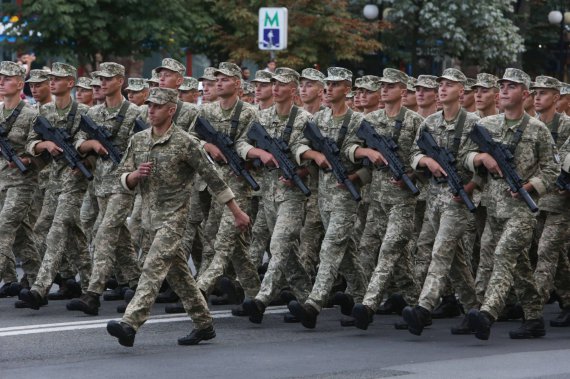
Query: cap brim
{"x": 261, "y": 81}
{"x": 6, "y": 73}
{"x": 84, "y": 87}
{"x": 424, "y": 86}
{"x": 225, "y": 72}
{"x": 544, "y": 87}
{"x": 336, "y": 79}
{"x": 60, "y": 75}
{"x": 450, "y": 78}
{"x": 282, "y": 79}
{"x": 106, "y": 75}
{"x": 37, "y": 80}
{"x": 136, "y": 89}
{"x": 155, "y": 101}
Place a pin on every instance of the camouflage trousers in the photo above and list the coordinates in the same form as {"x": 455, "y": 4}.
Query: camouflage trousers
{"x": 311, "y": 235}
{"x": 260, "y": 236}
{"x": 37, "y": 204}
{"x": 395, "y": 234}
{"x": 193, "y": 239}
{"x": 210, "y": 232}
{"x": 45, "y": 218}
{"x": 166, "y": 260}
{"x": 231, "y": 246}
{"x": 448, "y": 256}
{"x": 553, "y": 267}
{"x": 135, "y": 223}
{"x": 15, "y": 227}
{"x": 112, "y": 246}
{"x": 89, "y": 213}
{"x": 510, "y": 241}
{"x": 337, "y": 253}
{"x": 284, "y": 220}
{"x": 65, "y": 239}
{"x": 361, "y": 213}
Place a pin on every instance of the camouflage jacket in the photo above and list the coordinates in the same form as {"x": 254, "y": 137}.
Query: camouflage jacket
{"x": 106, "y": 180}
{"x": 534, "y": 162}
{"x": 177, "y": 157}
{"x": 18, "y": 137}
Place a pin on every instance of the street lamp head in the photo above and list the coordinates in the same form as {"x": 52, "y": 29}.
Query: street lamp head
{"x": 555, "y": 17}
{"x": 370, "y": 11}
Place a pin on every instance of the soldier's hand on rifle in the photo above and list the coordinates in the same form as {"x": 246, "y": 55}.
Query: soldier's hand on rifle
{"x": 268, "y": 159}
{"x": 25, "y": 161}
{"x": 322, "y": 161}
{"x": 527, "y": 186}
{"x": 51, "y": 148}
{"x": 489, "y": 162}
{"x": 434, "y": 167}
{"x": 215, "y": 153}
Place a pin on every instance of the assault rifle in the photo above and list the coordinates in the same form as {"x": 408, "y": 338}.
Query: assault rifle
{"x": 102, "y": 135}
{"x": 9, "y": 153}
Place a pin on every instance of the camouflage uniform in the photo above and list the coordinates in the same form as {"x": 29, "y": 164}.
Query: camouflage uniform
{"x": 510, "y": 222}
{"x": 18, "y": 188}
{"x": 447, "y": 217}
{"x": 231, "y": 245}
{"x": 176, "y": 157}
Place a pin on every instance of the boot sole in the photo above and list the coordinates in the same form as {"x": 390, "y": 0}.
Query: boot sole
{"x": 476, "y": 325}
{"x": 361, "y": 318}
{"x": 208, "y": 336}
{"x": 413, "y": 322}
{"x": 29, "y": 300}
{"x": 251, "y": 310}
{"x": 117, "y": 331}
{"x": 80, "y": 306}
{"x": 298, "y": 311}
{"x": 527, "y": 336}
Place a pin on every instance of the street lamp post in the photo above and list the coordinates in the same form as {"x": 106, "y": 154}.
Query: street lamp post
{"x": 563, "y": 19}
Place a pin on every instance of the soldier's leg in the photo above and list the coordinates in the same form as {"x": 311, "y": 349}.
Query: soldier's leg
{"x": 89, "y": 213}
{"x": 489, "y": 241}
{"x": 424, "y": 247}
{"x": 261, "y": 236}
{"x": 25, "y": 249}
{"x": 361, "y": 213}
{"x": 371, "y": 239}
{"x": 311, "y": 235}
{"x": 134, "y": 224}
{"x": 461, "y": 279}
{"x": 45, "y": 218}
{"x": 211, "y": 228}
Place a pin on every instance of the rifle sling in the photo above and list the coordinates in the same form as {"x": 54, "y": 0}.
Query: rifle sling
{"x": 399, "y": 124}
{"x": 13, "y": 117}
{"x": 555, "y": 126}
{"x": 290, "y": 122}
{"x": 344, "y": 128}
{"x": 121, "y": 115}
{"x": 458, "y": 131}
{"x": 71, "y": 116}
{"x": 235, "y": 120}
{"x": 177, "y": 113}
{"x": 518, "y": 134}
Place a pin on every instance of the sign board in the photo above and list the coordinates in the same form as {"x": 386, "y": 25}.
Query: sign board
{"x": 272, "y": 29}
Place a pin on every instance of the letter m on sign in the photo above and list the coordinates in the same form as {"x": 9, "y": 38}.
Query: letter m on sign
{"x": 269, "y": 21}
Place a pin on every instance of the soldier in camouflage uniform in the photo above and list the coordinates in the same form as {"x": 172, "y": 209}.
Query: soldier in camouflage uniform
{"x": 447, "y": 215}
{"x": 39, "y": 86}
{"x": 137, "y": 91}
{"x": 230, "y": 245}
{"x": 409, "y": 99}
{"x": 553, "y": 268}
{"x": 509, "y": 218}
{"x": 84, "y": 92}
{"x": 283, "y": 202}
{"x": 65, "y": 236}
{"x": 468, "y": 99}
{"x": 563, "y": 104}
{"x": 390, "y": 220}
{"x": 336, "y": 204}
{"x": 16, "y": 189}
{"x": 486, "y": 95}
{"x": 188, "y": 91}
{"x": 208, "y": 85}
{"x": 113, "y": 246}
{"x": 162, "y": 162}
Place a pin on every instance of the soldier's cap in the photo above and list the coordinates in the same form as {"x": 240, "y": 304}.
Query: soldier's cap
{"x": 84, "y": 82}
{"x": 565, "y": 90}
{"x": 546, "y": 82}
{"x": 350, "y": 95}
{"x": 391, "y": 75}
{"x": 95, "y": 81}
{"x": 136, "y": 84}
{"x": 486, "y": 81}
{"x": 427, "y": 81}
{"x": 412, "y": 84}
{"x": 286, "y": 75}
{"x": 153, "y": 77}
{"x": 208, "y": 74}
{"x": 10, "y": 68}
{"x": 338, "y": 74}
{"x": 469, "y": 84}
{"x": 189, "y": 84}
{"x": 63, "y": 70}
{"x": 161, "y": 96}
{"x": 110, "y": 70}
{"x": 38, "y": 76}
{"x": 368, "y": 82}
{"x": 247, "y": 88}
{"x": 262, "y": 76}
{"x": 228, "y": 69}
{"x": 515, "y": 75}
{"x": 314, "y": 75}
{"x": 172, "y": 65}
{"x": 454, "y": 75}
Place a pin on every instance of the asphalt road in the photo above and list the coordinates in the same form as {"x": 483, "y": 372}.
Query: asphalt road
{"x": 55, "y": 343}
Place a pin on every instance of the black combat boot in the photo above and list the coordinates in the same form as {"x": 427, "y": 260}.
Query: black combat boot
{"x": 128, "y": 295}
{"x": 480, "y": 322}
{"x": 124, "y": 332}
{"x": 32, "y": 298}
{"x": 529, "y": 329}
{"x": 417, "y": 319}
{"x": 463, "y": 327}
{"x": 511, "y": 312}
{"x": 448, "y": 308}
{"x": 345, "y": 301}
{"x": 562, "y": 320}
{"x": 393, "y": 305}
{"x": 198, "y": 335}
{"x": 254, "y": 309}
{"x": 363, "y": 316}
{"x": 234, "y": 293}
{"x": 305, "y": 313}
{"x": 88, "y": 303}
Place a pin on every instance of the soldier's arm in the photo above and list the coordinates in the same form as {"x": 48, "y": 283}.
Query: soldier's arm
{"x": 130, "y": 175}
{"x": 548, "y": 167}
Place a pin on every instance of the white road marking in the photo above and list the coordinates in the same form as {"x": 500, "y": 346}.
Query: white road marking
{"x": 101, "y": 323}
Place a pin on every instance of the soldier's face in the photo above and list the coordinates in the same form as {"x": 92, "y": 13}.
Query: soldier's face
{"x": 485, "y": 98}
{"x": 159, "y": 114}
{"x": 209, "y": 91}
{"x": 449, "y": 92}
{"x": 110, "y": 86}
{"x": 169, "y": 79}
{"x": 10, "y": 85}
{"x": 370, "y": 99}
{"x": 545, "y": 99}
{"x": 409, "y": 99}
{"x": 563, "y": 104}
{"x": 59, "y": 86}
{"x": 84, "y": 96}
{"x": 98, "y": 93}
{"x": 337, "y": 91}
{"x": 468, "y": 99}
{"x": 425, "y": 97}
{"x": 40, "y": 91}
{"x": 392, "y": 92}
{"x": 356, "y": 99}
{"x": 283, "y": 92}
{"x": 227, "y": 86}
{"x": 512, "y": 95}
{"x": 136, "y": 97}
{"x": 189, "y": 96}
{"x": 263, "y": 91}
{"x": 309, "y": 91}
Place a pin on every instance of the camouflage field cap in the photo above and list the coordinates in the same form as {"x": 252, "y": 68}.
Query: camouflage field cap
{"x": 486, "y": 81}
{"x": 10, "y": 68}
{"x": 565, "y": 90}
{"x": 469, "y": 84}
{"x": 391, "y": 75}
{"x": 247, "y": 88}
{"x": 338, "y": 74}
{"x": 38, "y": 76}
{"x": 228, "y": 69}
{"x": 412, "y": 84}
{"x": 427, "y": 81}
{"x": 368, "y": 82}
{"x": 208, "y": 74}
{"x": 286, "y": 75}
{"x": 350, "y": 95}
{"x": 162, "y": 96}
{"x": 262, "y": 76}
{"x": 63, "y": 70}
{"x": 136, "y": 84}
{"x": 189, "y": 84}
{"x": 84, "y": 82}
{"x": 546, "y": 82}
{"x": 452, "y": 74}
{"x": 110, "y": 69}
{"x": 95, "y": 81}
{"x": 153, "y": 77}
{"x": 314, "y": 75}
{"x": 516, "y": 76}
{"x": 172, "y": 65}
